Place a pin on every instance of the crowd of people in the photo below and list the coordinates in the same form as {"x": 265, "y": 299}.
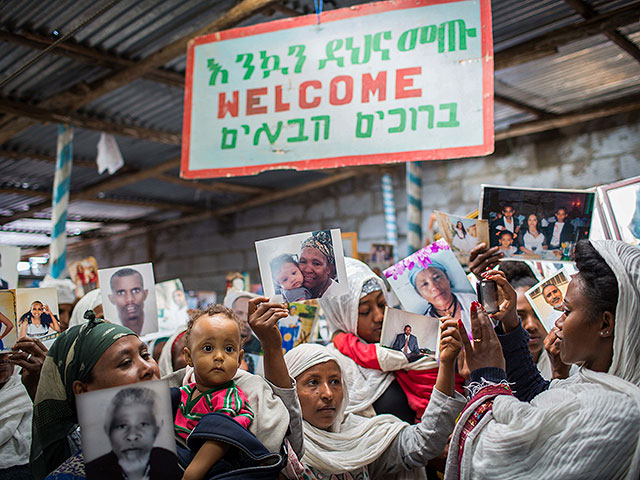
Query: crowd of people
{"x": 505, "y": 400}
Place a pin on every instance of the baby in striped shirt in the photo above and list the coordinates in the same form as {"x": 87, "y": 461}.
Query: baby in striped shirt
{"x": 214, "y": 351}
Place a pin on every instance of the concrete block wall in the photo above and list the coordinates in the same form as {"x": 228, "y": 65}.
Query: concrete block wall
{"x": 201, "y": 254}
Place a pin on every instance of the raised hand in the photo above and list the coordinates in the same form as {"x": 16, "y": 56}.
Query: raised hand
{"x": 483, "y": 258}
{"x": 484, "y": 350}
{"x": 559, "y": 369}
{"x": 29, "y": 353}
{"x": 508, "y": 299}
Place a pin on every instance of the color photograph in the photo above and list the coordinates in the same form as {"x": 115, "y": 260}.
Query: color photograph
{"x": 171, "y": 300}
{"x": 536, "y": 224}
{"x": 129, "y": 297}
{"x": 302, "y": 266}
{"x": 8, "y": 328}
{"x": 432, "y": 282}
{"x": 546, "y": 298}
{"x": 9, "y": 257}
{"x": 462, "y": 233}
{"x": 413, "y": 334}
{"x": 622, "y": 200}
{"x": 37, "y": 314}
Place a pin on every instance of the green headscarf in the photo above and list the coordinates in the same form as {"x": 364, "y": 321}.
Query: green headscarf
{"x": 72, "y": 357}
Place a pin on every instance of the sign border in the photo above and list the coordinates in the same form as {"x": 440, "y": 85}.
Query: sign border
{"x": 485, "y": 148}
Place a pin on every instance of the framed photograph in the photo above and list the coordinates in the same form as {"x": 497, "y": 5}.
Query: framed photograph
{"x": 350, "y": 244}
{"x": 546, "y": 297}
{"x": 432, "y": 282}
{"x": 462, "y": 233}
{"x": 303, "y": 266}
{"x": 622, "y": 203}
{"x": 8, "y": 326}
{"x": 37, "y": 314}
{"x": 84, "y": 274}
{"x": 536, "y": 224}
{"x": 129, "y": 297}
{"x": 9, "y": 258}
{"x": 127, "y": 429}
{"x": 381, "y": 256}
{"x": 413, "y": 334}
{"x": 297, "y": 327}
{"x": 171, "y": 301}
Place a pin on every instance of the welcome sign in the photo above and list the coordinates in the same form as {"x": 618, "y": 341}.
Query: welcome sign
{"x": 383, "y": 82}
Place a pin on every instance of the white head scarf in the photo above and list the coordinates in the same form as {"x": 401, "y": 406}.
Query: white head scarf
{"x": 365, "y": 384}
{"x": 65, "y": 288}
{"x": 90, "y": 301}
{"x": 592, "y": 412}
{"x": 353, "y": 442}
{"x": 233, "y": 295}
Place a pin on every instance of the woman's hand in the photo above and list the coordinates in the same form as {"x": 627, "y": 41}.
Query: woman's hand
{"x": 483, "y": 258}
{"x": 47, "y": 310}
{"x": 29, "y": 353}
{"x": 507, "y": 309}
{"x": 450, "y": 341}
{"x": 485, "y": 349}
{"x": 558, "y": 368}
{"x": 263, "y": 319}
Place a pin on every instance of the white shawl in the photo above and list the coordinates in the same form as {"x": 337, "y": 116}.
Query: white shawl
{"x": 165, "y": 360}
{"x": 16, "y": 412}
{"x": 354, "y": 441}
{"x": 584, "y": 427}
{"x": 365, "y": 385}
{"x": 90, "y": 301}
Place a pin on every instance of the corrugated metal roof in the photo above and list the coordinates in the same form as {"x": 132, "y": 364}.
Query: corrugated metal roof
{"x": 583, "y": 73}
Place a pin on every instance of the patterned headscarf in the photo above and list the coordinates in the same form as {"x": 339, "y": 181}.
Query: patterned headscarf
{"x": 72, "y": 357}
{"x": 321, "y": 241}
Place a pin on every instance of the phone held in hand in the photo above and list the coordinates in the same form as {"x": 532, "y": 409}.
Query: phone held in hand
{"x": 488, "y": 295}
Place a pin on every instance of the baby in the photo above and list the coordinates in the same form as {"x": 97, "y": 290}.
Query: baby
{"x": 213, "y": 350}
{"x": 287, "y": 276}
{"x": 506, "y": 243}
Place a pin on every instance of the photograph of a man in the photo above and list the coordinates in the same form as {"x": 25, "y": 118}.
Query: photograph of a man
{"x": 406, "y": 342}
{"x": 507, "y": 221}
{"x": 553, "y": 297}
{"x": 132, "y": 428}
{"x": 129, "y": 297}
{"x": 559, "y": 232}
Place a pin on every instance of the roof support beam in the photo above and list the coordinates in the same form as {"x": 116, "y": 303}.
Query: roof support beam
{"x": 538, "y": 112}
{"x": 567, "y": 119}
{"x": 587, "y": 11}
{"x": 82, "y": 94}
{"x": 88, "y": 55}
{"x": 548, "y": 43}
{"x": 46, "y": 116}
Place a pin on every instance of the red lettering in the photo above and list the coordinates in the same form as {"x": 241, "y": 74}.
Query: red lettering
{"x": 280, "y": 105}
{"x": 403, "y": 83}
{"x": 231, "y": 106}
{"x": 333, "y": 90}
{"x": 371, "y": 86}
{"x": 304, "y": 103}
{"x": 253, "y": 101}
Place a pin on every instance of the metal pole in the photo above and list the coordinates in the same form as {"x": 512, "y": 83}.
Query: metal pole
{"x": 61, "y": 184}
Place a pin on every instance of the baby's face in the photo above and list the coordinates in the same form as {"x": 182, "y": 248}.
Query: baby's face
{"x": 290, "y": 276}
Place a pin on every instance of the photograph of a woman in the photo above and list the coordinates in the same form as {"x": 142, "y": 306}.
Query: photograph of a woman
{"x": 302, "y": 266}
{"x": 531, "y": 238}
{"x": 37, "y": 312}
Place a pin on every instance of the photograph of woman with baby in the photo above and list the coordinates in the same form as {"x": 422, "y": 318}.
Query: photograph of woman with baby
{"x": 302, "y": 266}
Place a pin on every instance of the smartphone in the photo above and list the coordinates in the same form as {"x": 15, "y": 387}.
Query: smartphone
{"x": 488, "y": 295}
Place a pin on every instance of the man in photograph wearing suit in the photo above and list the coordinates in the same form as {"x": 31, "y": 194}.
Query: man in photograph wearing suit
{"x": 506, "y": 222}
{"x": 559, "y": 231}
{"x": 406, "y": 343}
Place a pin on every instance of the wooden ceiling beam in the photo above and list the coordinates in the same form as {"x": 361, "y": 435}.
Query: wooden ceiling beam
{"x": 83, "y": 93}
{"x": 89, "y": 55}
{"x": 42, "y": 115}
{"x": 213, "y": 187}
{"x": 587, "y": 11}
{"x": 548, "y": 43}
{"x": 568, "y": 119}
{"x": 15, "y": 155}
{"x": 518, "y": 105}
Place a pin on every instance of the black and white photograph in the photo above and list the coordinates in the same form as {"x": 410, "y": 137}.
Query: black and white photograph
{"x": 536, "y": 224}
{"x": 9, "y": 257}
{"x": 432, "y": 282}
{"x": 129, "y": 297}
{"x": 547, "y": 297}
{"x": 127, "y": 432}
{"x": 303, "y": 266}
{"x": 410, "y": 333}
{"x": 37, "y": 314}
